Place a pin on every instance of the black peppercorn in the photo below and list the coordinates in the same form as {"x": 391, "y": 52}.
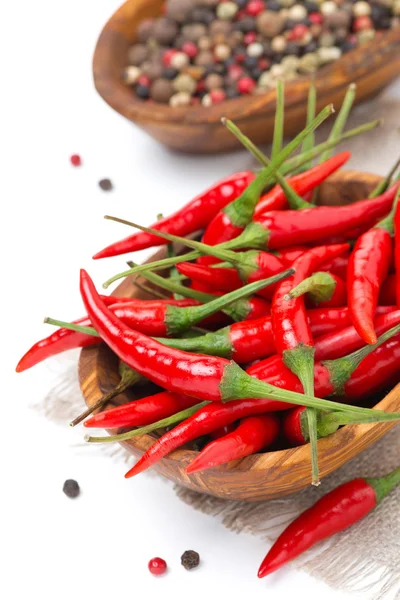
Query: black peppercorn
{"x": 292, "y": 49}
{"x": 142, "y": 91}
{"x": 241, "y": 3}
{"x": 201, "y": 15}
{"x": 232, "y": 93}
{"x": 274, "y": 6}
{"x": 246, "y": 25}
{"x": 250, "y": 62}
{"x": 190, "y": 559}
{"x": 169, "y": 73}
{"x": 71, "y": 488}
{"x": 105, "y": 185}
{"x": 311, "y": 7}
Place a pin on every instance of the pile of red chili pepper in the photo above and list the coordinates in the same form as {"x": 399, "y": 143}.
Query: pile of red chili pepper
{"x": 273, "y": 331}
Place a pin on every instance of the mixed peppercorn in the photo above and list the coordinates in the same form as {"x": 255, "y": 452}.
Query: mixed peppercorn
{"x": 207, "y": 51}
{"x": 298, "y": 310}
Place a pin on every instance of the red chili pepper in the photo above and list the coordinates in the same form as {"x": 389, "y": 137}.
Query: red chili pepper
{"x": 140, "y": 313}
{"x": 153, "y": 318}
{"x": 323, "y": 289}
{"x": 387, "y": 293}
{"x": 332, "y": 513}
{"x": 295, "y": 424}
{"x": 396, "y": 224}
{"x": 232, "y": 220}
{"x": 281, "y": 228}
{"x": 196, "y": 375}
{"x": 193, "y": 216}
{"x": 222, "y": 431}
{"x": 352, "y": 376}
{"x": 293, "y": 338}
{"x": 251, "y": 340}
{"x": 141, "y": 412}
{"x": 346, "y": 340}
{"x": 338, "y": 266}
{"x": 368, "y": 267}
{"x": 328, "y": 378}
{"x": 252, "y": 435}
{"x": 251, "y": 266}
{"x": 302, "y": 183}
{"x": 291, "y": 253}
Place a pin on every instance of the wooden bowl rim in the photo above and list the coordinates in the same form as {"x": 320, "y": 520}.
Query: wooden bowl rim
{"x": 256, "y": 462}
{"x": 328, "y": 79}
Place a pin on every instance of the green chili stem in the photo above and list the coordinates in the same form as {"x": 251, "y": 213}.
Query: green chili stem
{"x": 341, "y": 119}
{"x": 279, "y": 119}
{"x": 122, "y": 437}
{"x": 309, "y": 142}
{"x": 384, "y": 184}
{"x": 294, "y": 200}
{"x": 72, "y": 326}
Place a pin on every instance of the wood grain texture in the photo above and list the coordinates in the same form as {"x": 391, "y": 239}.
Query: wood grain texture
{"x": 198, "y": 129}
{"x": 261, "y": 476}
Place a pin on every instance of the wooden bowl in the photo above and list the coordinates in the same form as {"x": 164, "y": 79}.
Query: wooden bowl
{"x": 199, "y": 129}
{"x": 261, "y": 476}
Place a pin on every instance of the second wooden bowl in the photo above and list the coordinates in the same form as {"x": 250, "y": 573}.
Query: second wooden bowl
{"x": 198, "y": 129}
{"x": 260, "y": 476}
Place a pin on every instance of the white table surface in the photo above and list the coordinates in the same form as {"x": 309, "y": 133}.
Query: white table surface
{"x": 98, "y": 545}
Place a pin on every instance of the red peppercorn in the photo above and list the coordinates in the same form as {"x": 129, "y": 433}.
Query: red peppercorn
{"x": 362, "y": 23}
{"x": 195, "y": 100}
{"x": 250, "y": 38}
{"x": 254, "y": 7}
{"x": 239, "y": 56}
{"x": 264, "y": 64}
{"x": 190, "y": 49}
{"x": 316, "y": 18}
{"x": 76, "y": 160}
{"x": 235, "y": 71}
{"x": 246, "y": 85}
{"x": 241, "y": 14}
{"x": 217, "y": 96}
{"x": 157, "y": 566}
{"x": 201, "y": 85}
{"x": 167, "y": 56}
{"x": 144, "y": 80}
{"x": 298, "y": 32}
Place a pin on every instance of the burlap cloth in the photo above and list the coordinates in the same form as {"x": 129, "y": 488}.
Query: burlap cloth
{"x": 365, "y": 558}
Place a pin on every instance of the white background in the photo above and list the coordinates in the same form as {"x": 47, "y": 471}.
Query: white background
{"x": 51, "y": 224}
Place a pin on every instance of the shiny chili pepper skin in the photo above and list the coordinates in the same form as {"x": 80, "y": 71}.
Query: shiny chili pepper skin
{"x": 338, "y": 266}
{"x": 172, "y": 369}
{"x": 190, "y": 218}
{"x": 144, "y": 314}
{"x": 331, "y": 514}
{"x": 204, "y": 421}
{"x": 301, "y": 183}
{"x": 368, "y": 268}
{"x": 259, "y": 265}
{"x": 289, "y": 318}
{"x": 396, "y": 224}
{"x": 252, "y": 340}
{"x": 141, "y": 412}
{"x": 387, "y": 293}
{"x": 346, "y": 340}
{"x": 283, "y": 228}
{"x": 252, "y": 435}
{"x": 221, "y": 228}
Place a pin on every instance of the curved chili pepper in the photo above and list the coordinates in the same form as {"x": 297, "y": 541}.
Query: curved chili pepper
{"x": 281, "y": 228}
{"x": 136, "y": 312}
{"x": 252, "y": 340}
{"x": 196, "y": 375}
{"x": 329, "y": 377}
{"x": 332, "y": 513}
{"x": 302, "y": 183}
{"x": 255, "y": 266}
{"x": 293, "y": 338}
{"x": 218, "y": 433}
{"x": 193, "y": 216}
{"x": 368, "y": 267}
{"x": 232, "y": 220}
{"x": 396, "y": 225}
{"x": 346, "y": 340}
{"x": 154, "y": 318}
{"x": 252, "y": 435}
{"x": 338, "y": 266}
{"x": 141, "y": 412}
{"x": 352, "y": 376}
{"x": 323, "y": 289}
